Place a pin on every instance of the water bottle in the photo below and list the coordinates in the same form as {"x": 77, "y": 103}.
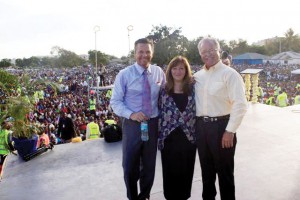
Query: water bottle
{"x": 144, "y": 131}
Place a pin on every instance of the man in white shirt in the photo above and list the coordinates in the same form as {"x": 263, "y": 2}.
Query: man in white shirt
{"x": 220, "y": 107}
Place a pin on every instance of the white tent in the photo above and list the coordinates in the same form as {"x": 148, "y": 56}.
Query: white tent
{"x": 288, "y": 57}
{"x": 297, "y": 71}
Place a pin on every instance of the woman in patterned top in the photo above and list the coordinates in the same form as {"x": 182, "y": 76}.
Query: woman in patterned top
{"x": 176, "y": 130}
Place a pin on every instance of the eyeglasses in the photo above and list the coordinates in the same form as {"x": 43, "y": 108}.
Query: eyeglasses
{"x": 211, "y": 51}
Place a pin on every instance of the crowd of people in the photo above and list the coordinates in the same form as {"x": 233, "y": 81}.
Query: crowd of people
{"x": 275, "y": 78}
{"x": 181, "y": 124}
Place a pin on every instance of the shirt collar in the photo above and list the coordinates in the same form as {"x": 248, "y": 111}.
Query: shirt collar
{"x": 215, "y": 67}
{"x": 141, "y": 69}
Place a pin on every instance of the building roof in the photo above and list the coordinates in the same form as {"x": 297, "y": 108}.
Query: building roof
{"x": 251, "y": 56}
{"x": 288, "y": 55}
{"x": 297, "y": 71}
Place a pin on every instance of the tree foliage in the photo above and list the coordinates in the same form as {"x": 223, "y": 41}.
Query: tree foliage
{"x": 101, "y": 57}
{"x": 193, "y": 53}
{"x": 169, "y": 42}
{"x": 66, "y": 58}
{"x": 8, "y": 81}
{"x": 5, "y": 62}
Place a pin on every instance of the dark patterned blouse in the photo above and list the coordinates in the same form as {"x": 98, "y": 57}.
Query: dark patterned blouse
{"x": 170, "y": 117}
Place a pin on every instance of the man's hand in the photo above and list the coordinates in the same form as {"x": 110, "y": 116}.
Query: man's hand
{"x": 227, "y": 139}
{"x": 138, "y": 116}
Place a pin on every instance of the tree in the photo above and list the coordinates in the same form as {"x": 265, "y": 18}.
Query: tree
{"x": 224, "y": 46}
{"x": 168, "y": 43}
{"x": 5, "y": 62}
{"x": 34, "y": 61}
{"x": 19, "y": 62}
{"x": 47, "y": 61}
{"x": 241, "y": 46}
{"x": 193, "y": 53}
{"x": 291, "y": 41}
{"x": 258, "y": 49}
{"x": 66, "y": 58}
{"x": 101, "y": 57}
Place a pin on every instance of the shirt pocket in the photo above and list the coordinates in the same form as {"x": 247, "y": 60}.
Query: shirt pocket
{"x": 217, "y": 89}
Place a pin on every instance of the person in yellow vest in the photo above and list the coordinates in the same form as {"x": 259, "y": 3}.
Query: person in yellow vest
{"x": 92, "y": 129}
{"x": 282, "y": 100}
{"x": 277, "y": 89}
{"x": 271, "y": 101}
{"x": 108, "y": 94}
{"x": 111, "y": 131}
{"x": 5, "y": 142}
{"x": 41, "y": 94}
{"x": 92, "y": 105}
{"x": 297, "y": 98}
{"x": 110, "y": 120}
{"x": 260, "y": 94}
{"x": 36, "y": 96}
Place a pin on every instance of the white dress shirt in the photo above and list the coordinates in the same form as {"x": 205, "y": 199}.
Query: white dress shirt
{"x": 220, "y": 91}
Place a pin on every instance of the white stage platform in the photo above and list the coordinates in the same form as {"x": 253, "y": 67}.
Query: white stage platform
{"x": 267, "y": 165}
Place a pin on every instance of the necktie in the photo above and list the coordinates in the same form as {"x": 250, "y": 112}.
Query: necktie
{"x": 146, "y": 104}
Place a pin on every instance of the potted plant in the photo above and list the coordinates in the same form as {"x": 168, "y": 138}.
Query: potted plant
{"x": 16, "y": 108}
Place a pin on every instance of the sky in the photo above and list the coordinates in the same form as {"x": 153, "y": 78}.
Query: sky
{"x": 33, "y": 27}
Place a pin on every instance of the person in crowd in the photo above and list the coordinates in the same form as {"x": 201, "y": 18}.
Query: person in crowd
{"x": 81, "y": 124}
{"x": 92, "y": 129}
{"x": 92, "y": 105}
{"x": 260, "y": 94}
{"x": 109, "y": 120}
{"x": 130, "y": 100}
{"x": 282, "y": 100}
{"x": 297, "y": 98}
{"x": 112, "y": 132}
{"x": 66, "y": 130}
{"x": 43, "y": 140}
{"x": 226, "y": 58}
{"x": 271, "y": 101}
{"x": 177, "y": 130}
{"x": 103, "y": 72}
{"x": 220, "y": 107}
{"x": 5, "y": 142}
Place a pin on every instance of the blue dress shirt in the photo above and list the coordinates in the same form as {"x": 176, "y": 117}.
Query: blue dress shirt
{"x": 128, "y": 89}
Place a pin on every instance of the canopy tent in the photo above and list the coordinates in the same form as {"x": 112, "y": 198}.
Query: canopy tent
{"x": 297, "y": 71}
{"x": 251, "y": 71}
{"x": 250, "y": 59}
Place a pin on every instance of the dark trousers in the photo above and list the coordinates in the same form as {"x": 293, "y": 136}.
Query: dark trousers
{"x": 139, "y": 158}
{"x": 215, "y": 160}
{"x": 178, "y": 161}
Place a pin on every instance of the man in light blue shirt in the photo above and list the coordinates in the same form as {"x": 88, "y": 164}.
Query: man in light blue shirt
{"x": 138, "y": 156}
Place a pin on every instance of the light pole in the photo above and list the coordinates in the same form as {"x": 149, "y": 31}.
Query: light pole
{"x": 129, "y": 28}
{"x": 279, "y": 39}
{"x": 96, "y": 29}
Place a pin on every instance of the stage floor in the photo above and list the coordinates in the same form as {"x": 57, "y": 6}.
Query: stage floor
{"x": 267, "y": 165}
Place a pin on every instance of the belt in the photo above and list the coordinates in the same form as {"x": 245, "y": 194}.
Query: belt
{"x": 213, "y": 119}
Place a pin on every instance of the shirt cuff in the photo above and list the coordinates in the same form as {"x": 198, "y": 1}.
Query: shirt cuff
{"x": 230, "y": 128}
{"x": 127, "y": 114}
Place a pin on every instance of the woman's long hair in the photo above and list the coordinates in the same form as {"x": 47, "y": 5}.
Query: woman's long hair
{"x": 187, "y": 82}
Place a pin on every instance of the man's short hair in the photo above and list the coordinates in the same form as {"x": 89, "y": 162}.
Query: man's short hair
{"x": 144, "y": 41}
{"x": 211, "y": 40}
{"x": 91, "y": 118}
